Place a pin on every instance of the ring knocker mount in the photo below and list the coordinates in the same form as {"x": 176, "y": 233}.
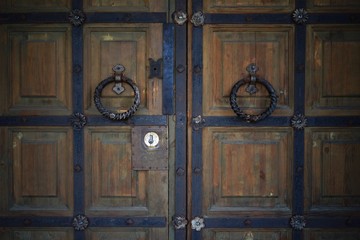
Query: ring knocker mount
{"x": 118, "y": 79}
{"x": 251, "y": 88}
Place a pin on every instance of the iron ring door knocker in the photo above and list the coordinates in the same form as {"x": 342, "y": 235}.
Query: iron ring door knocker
{"x": 118, "y": 78}
{"x": 251, "y": 88}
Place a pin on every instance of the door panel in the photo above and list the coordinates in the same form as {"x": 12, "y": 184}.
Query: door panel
{"x": 126, "y": 6}
{"x": 333, "y": 88}
{"x": 228, "y": 50}
{"x": 131, "y": 45}
{"x": 38, "y": 233}
{"x": 238, "y": 6}
{"x": 261, "y": 234}
{"x": 331, "y": 170}
{"x": 262, "y": 156}
{"x": 37, "y": 63}
{"x": 37, "y": 172}
{"x": 113, "y": 187}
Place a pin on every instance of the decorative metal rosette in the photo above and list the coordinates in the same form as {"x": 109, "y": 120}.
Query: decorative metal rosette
{"x": 179, "y": 17}
{"x": 118, "y": 78}
{"x": 297, "y": 222}
{"x": 80, "y": 222}
{"x": 198, "y": 19}
{"x": 179, "y": 222}
{"x": 198, "y": 122}
{"x": 298, "y": 121}
{"x": 197, "y": 224}
{"x": 77, "y": 17}
{"x": 300, "y": 16}
{"x": 78, "y": 120}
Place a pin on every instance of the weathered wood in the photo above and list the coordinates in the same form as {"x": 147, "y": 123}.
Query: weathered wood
{"x": 332, "y": 75}
{"x": 240, "y": 6}
{"x": 229, "y": 49}
{"x": 258, "y": 234}
{"x": 247, "y": 171}
{"x": 39, "y": 171}
{"x": 332, "y": 170}
{"x": 130, "y": 45}
{"x": 126, "y": 6}
{"x": 38, "y": 79}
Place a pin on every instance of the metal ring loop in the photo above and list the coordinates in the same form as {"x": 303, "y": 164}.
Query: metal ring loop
{"x": 112, "y": 115}
{"x": 249, "y": 117}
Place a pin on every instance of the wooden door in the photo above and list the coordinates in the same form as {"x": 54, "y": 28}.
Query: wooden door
{"x": 67, "y": 172}
{"x": 294, "y": 174}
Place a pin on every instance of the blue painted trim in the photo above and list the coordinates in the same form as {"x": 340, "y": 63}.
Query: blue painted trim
{"x": 121, "y": 17}
{"x": 248, "y": 18}
{"x": 334, "y": 18}
{"x": 35, "y": 121}
{"x": 77, "y": 60}
{"x": 100, "y": 17}
{"x": 122, "y": 222}
{"x": 237, "y": 122}
{"x": 181, "y": 120}
{"x": 197, "y": 102}
{"x": 168, "y": 69}
{"x": 35, "y": 221}
{"x": 54, "y": 17}
{"x": 153, "y": 120}
{"x": 333, "y": 222}
{"x": 239, "y": 222}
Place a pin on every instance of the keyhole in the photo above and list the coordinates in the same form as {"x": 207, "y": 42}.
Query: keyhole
{"x": 151, "y": 139}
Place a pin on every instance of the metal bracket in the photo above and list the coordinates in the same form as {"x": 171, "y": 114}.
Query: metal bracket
{"x": 156, "y": 68}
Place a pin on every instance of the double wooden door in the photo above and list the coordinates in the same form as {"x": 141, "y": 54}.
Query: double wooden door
{"x": 179, "y": 163}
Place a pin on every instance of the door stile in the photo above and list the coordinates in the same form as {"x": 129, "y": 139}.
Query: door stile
{"x": 299, "y": 109}
{"x": 196, "y": 122}
{"x": 181, "y": 122}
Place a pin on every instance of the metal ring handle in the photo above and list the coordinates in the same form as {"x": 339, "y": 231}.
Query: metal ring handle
{"x": 112, "y": 115}
{"x": 249, "y": 117}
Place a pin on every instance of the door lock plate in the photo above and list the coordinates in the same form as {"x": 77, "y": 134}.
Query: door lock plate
{"x": 149, "y": 148}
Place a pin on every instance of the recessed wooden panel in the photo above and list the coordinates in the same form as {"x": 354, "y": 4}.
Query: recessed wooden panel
{"x": 258, "y": 234}
{"x": 36, "y": 66}
{"x": 126, "y": 6}
{"x": 112, "y": 186}
{"x": 39, "y": 171}
{"x": 35, "y": 5}
{"x": 36, "y": 233}
{"x": 332, "y": 234}
{"x": 238, "y": 6}
{"x": 332, "y": 73}
{"x": 332, "y": 5}
{"x": 228, "y": 50}
{"x": 131, "y": 46}
{"x": 332, "y": 169}
{"x": 127, "y": 233}
{"x": 247, "y": 170}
